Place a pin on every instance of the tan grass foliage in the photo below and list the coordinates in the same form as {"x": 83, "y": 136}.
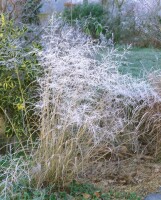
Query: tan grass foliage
{"x": 85, "y": 105}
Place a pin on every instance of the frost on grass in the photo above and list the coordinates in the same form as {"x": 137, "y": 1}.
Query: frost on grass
{"x": 86, "y": 104}
{"x": 82, "y": 86}
{"x": 14, "y": 176}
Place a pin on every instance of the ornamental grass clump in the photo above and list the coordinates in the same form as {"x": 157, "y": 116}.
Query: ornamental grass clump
{"x": 85, "y": 103}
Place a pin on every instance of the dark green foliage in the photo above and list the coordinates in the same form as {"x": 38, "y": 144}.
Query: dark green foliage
{"x": 91, "y": 18}
{"x": 30, "y": 11}
{"x": 84, "y": 10}
{"x": 18, "y": 70}
{"x": 77, "y": 189}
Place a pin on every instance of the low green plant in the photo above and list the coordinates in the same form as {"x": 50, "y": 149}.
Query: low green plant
{"x": 78, "y": 191}
{"x": 91, "y": 17}
{"x": 82, "y": 191}
{"x": 18, "y": 71}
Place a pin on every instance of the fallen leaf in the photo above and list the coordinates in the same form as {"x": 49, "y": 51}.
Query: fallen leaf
{"x": 97, "y": 194}
{"x": 86, "y": 196}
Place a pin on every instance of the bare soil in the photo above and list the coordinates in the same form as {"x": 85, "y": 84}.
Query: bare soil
{"x": 139, "y": 174}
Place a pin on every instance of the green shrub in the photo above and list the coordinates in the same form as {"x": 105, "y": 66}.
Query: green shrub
{"x": 18, "y": 71}
{"x": 30, "y": 11}
{"x": 91, "y": 18}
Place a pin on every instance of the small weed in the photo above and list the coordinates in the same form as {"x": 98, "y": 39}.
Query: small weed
{"x": 76, "y": 188}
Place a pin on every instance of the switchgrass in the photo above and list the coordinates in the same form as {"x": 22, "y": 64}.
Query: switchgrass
{"x": 85, "y": 103}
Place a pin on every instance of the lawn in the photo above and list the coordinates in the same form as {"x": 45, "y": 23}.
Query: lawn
{"x": 140, "y": 61}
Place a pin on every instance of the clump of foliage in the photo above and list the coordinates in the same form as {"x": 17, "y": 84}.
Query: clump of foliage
{"x": 85, "y": 102}
{"x": 91, "y": 18}
{"x": 18, "y": 71}
{"x": 88, "y": 191}
{"x": 30, "y": 11}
